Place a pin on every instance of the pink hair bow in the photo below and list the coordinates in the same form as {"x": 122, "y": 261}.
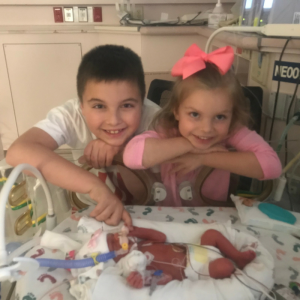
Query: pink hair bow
{"x": 194, "y": 60}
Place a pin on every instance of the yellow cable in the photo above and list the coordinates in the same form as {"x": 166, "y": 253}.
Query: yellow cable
{"x": 39, "y": 218}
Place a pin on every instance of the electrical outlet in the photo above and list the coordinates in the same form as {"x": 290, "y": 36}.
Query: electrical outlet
{"x": 82, "y": 14}
{"x": 97, "y": 13}
{"x": 68, "y": 14}
{"x": 58, "y": 15}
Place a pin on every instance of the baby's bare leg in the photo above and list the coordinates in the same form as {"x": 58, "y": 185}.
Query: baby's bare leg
{"x": 221, "y": 268}
{"x": 215, "y": 238}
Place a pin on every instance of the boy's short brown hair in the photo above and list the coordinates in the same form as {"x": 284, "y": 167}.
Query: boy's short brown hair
{"x": 109, "y": 63}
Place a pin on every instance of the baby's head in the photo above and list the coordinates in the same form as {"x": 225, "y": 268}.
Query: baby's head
{"x": 111, "y": 89}
{"x": 205, "y": 107}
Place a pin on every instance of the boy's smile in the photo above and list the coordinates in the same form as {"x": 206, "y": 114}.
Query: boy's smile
{"x": 204, "y": 117}
{"x": 112, "y": 110}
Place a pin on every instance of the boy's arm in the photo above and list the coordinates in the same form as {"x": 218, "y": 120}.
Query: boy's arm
{"x": 35, "y": 147}
{"x": 148, "y": 149}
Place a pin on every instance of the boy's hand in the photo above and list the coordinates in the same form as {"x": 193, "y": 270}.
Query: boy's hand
{"x": 109, "y": 208}
{"x": 98, "y": 154}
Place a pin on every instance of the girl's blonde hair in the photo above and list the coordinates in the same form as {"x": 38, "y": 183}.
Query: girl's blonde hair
{"x": 209, "y": 79}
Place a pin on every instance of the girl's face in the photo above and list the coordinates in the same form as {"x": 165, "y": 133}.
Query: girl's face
{"x": 204, "y": 117}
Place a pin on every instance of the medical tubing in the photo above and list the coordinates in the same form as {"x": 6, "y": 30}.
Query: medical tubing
{"x": 23, "y": 248}
{"x": 287, "y": 167}
{"x": 258, "y": 286}
{"x": 286, "y": 129}
{"x": 76, "y": 264}
{"x": 231, "y": 28}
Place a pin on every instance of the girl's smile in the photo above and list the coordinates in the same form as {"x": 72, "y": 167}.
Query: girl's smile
{"x": 203, "y": 140}
{"x": 204, "y": 117}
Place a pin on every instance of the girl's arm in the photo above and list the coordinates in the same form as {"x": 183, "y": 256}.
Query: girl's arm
{"x": 241, "y": 163}
{"x": 148, "y": 149}
{"x": 254, "y": 158}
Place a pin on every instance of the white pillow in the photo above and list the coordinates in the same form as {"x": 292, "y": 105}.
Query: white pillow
{"x": 250, "y": 214}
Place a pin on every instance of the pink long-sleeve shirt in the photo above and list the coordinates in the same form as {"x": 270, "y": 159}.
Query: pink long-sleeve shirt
{"x": 217, "y": 184}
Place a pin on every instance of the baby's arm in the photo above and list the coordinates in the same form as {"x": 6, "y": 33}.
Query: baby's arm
{"x": 35, "y": 147}
{"x": 136, "y": 280}
{"x": 148, "y": 234}
{"x": 148, "y": 149}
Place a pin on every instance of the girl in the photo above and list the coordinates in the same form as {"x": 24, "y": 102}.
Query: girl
{"x": 205, "y": 115}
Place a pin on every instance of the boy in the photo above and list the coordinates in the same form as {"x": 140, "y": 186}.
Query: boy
{"x": 108, "y": 112}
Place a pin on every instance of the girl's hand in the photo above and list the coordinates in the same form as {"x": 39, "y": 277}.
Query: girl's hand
{"x": 193, "y": 160}
{"x": 186, "y": 163}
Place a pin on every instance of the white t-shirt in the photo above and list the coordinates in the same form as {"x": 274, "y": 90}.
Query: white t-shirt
{"x": 66, "y": 124}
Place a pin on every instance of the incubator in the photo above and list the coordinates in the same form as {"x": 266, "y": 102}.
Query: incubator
{"x": 25, "y": 211}
{"x": 14, "y": 267}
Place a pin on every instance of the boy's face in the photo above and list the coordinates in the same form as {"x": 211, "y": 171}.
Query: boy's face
{"x": 112, "y": 110}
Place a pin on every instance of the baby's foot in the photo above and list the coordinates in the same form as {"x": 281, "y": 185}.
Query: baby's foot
{"x": 245, "y": 258}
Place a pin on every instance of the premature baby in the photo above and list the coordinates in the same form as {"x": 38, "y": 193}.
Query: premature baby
{"x": 147, "y": 252}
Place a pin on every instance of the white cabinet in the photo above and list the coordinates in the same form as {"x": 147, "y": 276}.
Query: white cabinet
{"x": 38, "y": 69}
{"x": 38, "y": 65}
{"x": 41, "y": 77}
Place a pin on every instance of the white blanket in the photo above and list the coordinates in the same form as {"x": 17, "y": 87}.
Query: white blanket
{"x": 111, "y": 285}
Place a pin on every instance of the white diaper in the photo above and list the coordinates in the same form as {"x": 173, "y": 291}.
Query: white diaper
{"x": 198, "y": 259}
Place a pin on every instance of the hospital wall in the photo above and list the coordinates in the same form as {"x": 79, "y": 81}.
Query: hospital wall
{"x": 39, "y": 62}
{"x": 39, "y": 59}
